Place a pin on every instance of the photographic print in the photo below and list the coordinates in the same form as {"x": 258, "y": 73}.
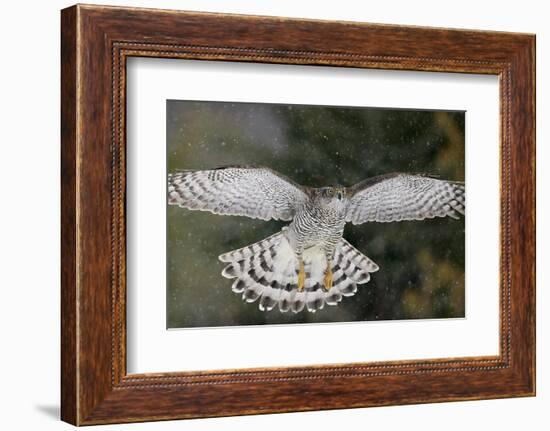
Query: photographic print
{"x": 287, "y": 214}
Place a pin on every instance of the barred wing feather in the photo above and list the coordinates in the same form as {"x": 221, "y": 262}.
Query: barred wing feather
{"x": 254, "y": 192}
{"x": 397, "y": 197}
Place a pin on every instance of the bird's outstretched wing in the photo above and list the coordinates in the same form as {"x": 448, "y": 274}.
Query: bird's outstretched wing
{"x": 250, "y": 191}
{"x": 397, "y": 197}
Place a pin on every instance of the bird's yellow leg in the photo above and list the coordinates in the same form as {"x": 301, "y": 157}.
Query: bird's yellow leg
{"x": 301, "y": 275}
{"x": 328, "y": 276}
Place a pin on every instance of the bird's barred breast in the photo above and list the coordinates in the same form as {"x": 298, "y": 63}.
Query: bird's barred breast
{"x": 315, "y": 227}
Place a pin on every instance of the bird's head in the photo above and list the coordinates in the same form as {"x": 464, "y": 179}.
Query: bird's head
{"x": 331, "y": 197}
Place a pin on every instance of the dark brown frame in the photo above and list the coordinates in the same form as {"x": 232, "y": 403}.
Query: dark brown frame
{"x": 95, "y": 43}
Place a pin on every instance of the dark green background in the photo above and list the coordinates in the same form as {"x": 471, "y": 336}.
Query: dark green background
{"x": 421, "y": 262}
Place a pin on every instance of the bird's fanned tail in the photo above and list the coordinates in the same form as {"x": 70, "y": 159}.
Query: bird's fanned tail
{"x": 267, "y": 272}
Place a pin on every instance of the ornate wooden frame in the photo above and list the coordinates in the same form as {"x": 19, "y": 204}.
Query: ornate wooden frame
{"x": 95, "y": 43}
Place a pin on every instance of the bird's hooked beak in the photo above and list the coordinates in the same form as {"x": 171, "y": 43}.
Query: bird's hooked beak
{"x": 340, "y": 194}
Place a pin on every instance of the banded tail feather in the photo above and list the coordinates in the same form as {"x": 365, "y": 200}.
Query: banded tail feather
{"x": 267, "y": 272}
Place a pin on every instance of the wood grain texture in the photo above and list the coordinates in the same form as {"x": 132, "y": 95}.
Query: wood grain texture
{"x": 96, "y": 41}
{"x": 69, "y": 331}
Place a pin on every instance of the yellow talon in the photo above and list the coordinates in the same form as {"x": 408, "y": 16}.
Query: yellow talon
{"x": 301, "y": 276}
{"x": 328, "y": 278}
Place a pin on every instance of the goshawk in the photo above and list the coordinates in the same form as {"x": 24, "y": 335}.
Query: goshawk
{"x": 308, "y": 263}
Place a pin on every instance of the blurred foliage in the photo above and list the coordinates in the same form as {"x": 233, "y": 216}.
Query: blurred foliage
{"x": 421, "y": 262}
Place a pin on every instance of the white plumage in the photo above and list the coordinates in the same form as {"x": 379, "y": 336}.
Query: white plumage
{"x": 268, "y": 270}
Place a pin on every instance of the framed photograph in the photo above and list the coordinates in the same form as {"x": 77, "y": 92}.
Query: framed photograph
{"x": 317, "y": 215}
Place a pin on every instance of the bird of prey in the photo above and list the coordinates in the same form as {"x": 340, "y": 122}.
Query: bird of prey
{"x": 308, "y": 263}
